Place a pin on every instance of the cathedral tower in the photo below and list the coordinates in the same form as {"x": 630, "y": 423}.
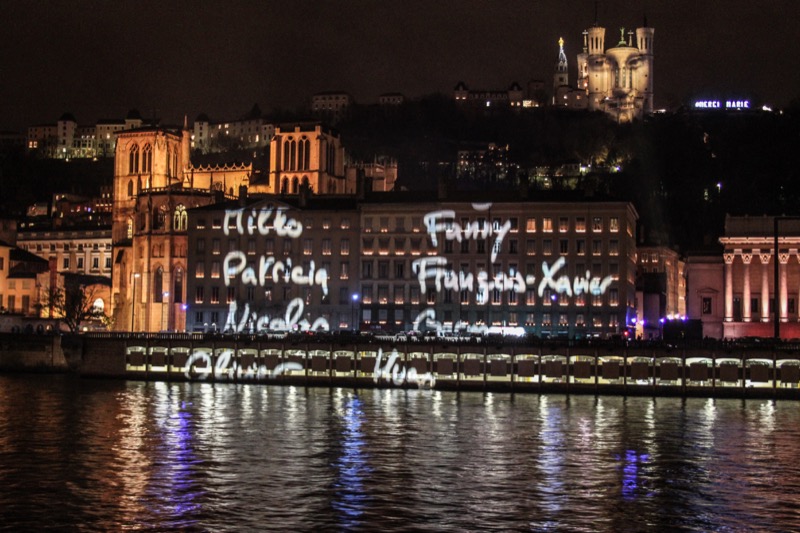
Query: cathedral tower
{"x": 307, "y": 156}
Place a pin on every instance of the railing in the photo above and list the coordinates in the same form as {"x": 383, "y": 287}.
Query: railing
{"x": 355, "y": 360}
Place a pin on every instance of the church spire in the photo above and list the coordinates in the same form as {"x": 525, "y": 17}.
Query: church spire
{"x": 562, "y": 57}
{"x": 561, "y": 76}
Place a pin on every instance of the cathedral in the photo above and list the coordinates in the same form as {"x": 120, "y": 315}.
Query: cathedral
{"x": 155, "y": 184}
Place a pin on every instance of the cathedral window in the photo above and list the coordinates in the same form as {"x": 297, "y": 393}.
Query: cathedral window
{"x": 307, "y": 154}
{"x": 159, "y": 218}
{"x": 158, "y": 280}
{"x": 180, "y": 220}
{"x": 301, "y": 155}
{"x": 130, "y": 188}
{"x": 295, "y": 185}
{"x": 133, "y": 159}
{"x": 292, "y": 155}
{"x": 147, "y": 159}
{"x": 285, "y": 186}
{"x": 178, "y": 287}
{"x": 285, "y": 155}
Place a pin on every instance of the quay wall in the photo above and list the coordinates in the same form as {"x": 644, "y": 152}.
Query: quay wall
{"x": 715, "y": 370}
{"x": 32, "y": 352}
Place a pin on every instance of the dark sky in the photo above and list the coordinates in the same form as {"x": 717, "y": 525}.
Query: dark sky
{"x": 100, "y": 58}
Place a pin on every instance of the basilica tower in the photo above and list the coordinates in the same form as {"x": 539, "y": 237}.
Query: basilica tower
{"x": 561, "y": 76}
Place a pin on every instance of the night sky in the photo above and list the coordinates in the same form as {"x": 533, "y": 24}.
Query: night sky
{"x": 100, "y": 58}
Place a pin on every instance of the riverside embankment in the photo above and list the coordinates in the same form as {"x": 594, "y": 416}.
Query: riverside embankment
{"x": 763, "y": 370}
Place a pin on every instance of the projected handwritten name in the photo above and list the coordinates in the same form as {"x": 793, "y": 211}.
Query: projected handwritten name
{"x": 444, "y": 278}
{"x": 426, "y": 321}
{"x": 393, "y": 372}
{"x": 262, "y": 221}
{"x": 292, "y": 320}
{"x": 269, "y": 269}
{"x": 201, "y": 364}
{"x": 444, "y": 221}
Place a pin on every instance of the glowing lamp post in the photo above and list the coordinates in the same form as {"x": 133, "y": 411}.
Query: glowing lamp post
{"x": 354, "y": 299}
{"x": 133, "y": 307}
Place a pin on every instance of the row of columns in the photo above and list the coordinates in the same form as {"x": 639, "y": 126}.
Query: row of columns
{"x": 783, "y": 303}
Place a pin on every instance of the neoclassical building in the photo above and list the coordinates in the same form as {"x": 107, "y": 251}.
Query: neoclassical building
{"x": 743, "y": 292}
{"x": 618, "y": 80}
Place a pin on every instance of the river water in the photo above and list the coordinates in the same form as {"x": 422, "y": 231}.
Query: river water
{"x": 91, "y": 455}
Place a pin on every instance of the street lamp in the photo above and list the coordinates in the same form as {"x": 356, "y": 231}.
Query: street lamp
{"x": 164, "y": 301}
{"x": 133, "y": 307}
{"x": 354, "y": 299}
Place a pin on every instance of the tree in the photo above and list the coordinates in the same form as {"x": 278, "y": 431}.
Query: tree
{"x": 74, "y": 303}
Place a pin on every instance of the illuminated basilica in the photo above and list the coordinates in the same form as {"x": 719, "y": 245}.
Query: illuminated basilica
{"x": 618, "y": 80}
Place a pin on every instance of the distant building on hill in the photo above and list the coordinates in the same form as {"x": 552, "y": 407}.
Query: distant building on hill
{"x": 67, "y": 140}
{"x": 251, "y": 131}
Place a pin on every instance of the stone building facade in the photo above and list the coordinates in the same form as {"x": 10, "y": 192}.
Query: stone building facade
{"x": 390, "y": 262}
{"x": 748, "y": 290}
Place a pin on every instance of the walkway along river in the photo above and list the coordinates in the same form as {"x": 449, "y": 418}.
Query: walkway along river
{"x": 715, "y": 370}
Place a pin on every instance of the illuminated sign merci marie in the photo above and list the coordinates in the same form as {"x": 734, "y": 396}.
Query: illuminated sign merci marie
{"x": 719, "y": 104}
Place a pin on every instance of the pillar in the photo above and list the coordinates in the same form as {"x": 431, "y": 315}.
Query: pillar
{"x": 797, "y": 306}
{"x": 746, "y": 311}
{"x": 729, "y": 287}
{"x": 784, "y": 305}
{"x": 764, "y": 287}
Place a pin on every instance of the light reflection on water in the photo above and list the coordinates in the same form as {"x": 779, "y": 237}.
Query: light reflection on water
{"x": 101, "y": 456}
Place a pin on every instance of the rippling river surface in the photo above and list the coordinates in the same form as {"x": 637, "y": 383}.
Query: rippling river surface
{"x": 90, "y": 455}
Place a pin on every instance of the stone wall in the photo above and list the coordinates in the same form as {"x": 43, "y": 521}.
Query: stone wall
{"x": 31, "y": 352}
